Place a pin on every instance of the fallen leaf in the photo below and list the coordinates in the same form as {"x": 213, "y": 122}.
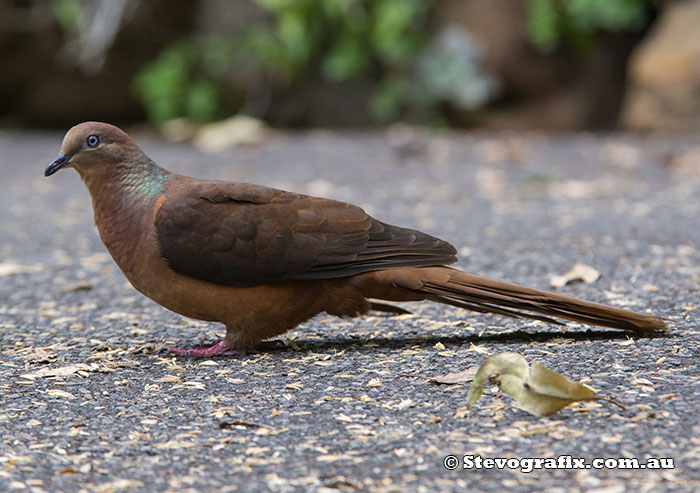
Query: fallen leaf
{"x": 534, "y": 388}
{"x": 224, "y": 425}
{"x": 60, "y": 393}
{"x": 40, "y": 356}
{"x": 497, "y": 365}
{"x": 8, "y": 269}
{"x": 80, "y": 286}
{"x": 459, "y": 377}
{"x": 64, "y": 371}
{"x": 546, "y": 393}
{"x": 579, "y": 272}
{"x": 117, "y": 485}
{"x": 547, "y": 382}
{"x": 405, "y": 404}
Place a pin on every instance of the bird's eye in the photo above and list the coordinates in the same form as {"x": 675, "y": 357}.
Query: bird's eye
{"x": 93, "y": 141}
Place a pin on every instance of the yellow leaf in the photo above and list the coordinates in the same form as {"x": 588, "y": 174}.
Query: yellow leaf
{"x": 534, "y": 388}
{"x": 499, "y": 364}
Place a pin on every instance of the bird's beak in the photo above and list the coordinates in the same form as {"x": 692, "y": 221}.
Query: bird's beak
{"x": 60, "y": 161}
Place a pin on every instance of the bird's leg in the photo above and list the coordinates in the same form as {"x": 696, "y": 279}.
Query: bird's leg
{"x": 221, "y": 348}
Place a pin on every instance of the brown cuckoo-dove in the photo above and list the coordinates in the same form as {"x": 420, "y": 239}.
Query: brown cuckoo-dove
{"x": 261, "y": 261}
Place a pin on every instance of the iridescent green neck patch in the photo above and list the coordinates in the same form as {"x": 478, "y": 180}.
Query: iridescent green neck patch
{"x": 143, "y": 181}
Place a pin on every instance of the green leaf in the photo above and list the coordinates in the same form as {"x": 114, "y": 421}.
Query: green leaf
{"x": 547, "y": 382}
{"x": 543, "y": 24}
{"x": 544, "y": 392}
{"x": 276, "y": 5}
{"x": 393, "y": 31}
{"x": 336, "y": 8}
{"x": 534, "y": 388}
{"x": 575, "y": 22}
{"x": 217, "y": 53}
{"x": 68, "y": 13}
{"x": 267, "y": 51}
{"x": 202, "y": 100}
{"x": 498, "y": 365}
{"x": 295, "y": 35}
{"x": 387, "y": 98}
{"x": 529, "y": 400}
{"x": 347, "y": 59}
{"x": 162, "y": 85}
{"x": 612, "y": 15}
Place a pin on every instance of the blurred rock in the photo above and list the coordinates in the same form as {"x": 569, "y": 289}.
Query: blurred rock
{"x": 664, "y": 73}
{"x": 229, "y": 133}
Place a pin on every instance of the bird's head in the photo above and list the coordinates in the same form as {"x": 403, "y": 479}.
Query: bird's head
{"x": 93, "y": 147}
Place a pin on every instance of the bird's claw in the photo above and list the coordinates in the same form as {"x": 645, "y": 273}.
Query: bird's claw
{"x": 218, "y": 349}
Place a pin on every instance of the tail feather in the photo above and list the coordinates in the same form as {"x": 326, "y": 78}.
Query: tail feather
{"x": 486, "y": 308}
{"x": 481, "y": 294}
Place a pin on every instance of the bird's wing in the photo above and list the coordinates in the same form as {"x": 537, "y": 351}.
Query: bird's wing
{"x": 241, "y": 235}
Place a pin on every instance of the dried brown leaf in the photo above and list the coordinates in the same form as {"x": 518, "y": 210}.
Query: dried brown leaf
{"x": 579, "y": 272}
{"x": 64, "y": 371}
{"x": 458, "y": 377}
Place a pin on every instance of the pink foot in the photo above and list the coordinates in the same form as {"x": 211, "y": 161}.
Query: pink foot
{"x": 218, "y": 349}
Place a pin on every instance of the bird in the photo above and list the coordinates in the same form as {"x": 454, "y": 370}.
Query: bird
{"x": 261, "y": 260}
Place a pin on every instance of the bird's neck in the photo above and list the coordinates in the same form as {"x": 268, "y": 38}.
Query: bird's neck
{"x": 138, "y": 182}
{"x": 123, "y": 202}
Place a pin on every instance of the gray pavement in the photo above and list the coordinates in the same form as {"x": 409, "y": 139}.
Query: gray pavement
{"x": 345, "y": 405}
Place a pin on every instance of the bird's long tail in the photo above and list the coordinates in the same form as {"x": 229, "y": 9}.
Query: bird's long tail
{"x": 457, "y": 288}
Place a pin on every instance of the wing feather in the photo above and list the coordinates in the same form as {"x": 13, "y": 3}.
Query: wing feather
{"x": 241, "y": 234}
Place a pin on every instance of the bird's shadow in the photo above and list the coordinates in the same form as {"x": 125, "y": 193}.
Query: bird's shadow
{"x": 510, "y": 337}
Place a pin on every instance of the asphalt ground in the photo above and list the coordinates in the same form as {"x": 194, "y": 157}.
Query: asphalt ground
{"x": 92, "y": 401}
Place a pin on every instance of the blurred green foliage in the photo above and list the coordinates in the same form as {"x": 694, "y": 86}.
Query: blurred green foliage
{"x": 552, "y": 23}
{"x": 335, "y": 40}
{"x": 390, "y": 42}
{"x": 68, "y": 14}
{"x": 340, "y": 38}
{"x": 173, "y": 86}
